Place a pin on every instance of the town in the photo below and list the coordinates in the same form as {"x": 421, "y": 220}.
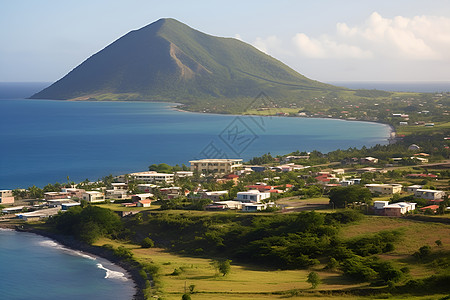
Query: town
{"x": 397, "y": 187}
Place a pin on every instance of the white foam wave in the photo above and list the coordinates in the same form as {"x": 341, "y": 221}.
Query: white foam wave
{"x": 6, "y": 229}
{"x": 55, "y": 245}
{"x": 110, "y": 274}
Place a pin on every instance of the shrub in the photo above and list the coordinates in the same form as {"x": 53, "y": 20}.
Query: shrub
{"x": 123, "y": 252}
{"x": 313, "y": 279}
{"x": 147, "y": 243}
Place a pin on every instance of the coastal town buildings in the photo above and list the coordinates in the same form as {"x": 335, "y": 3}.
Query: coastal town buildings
{"x": 384, "y": 189}
{"x": 215, "y": 166}
{"x": 429, "y": 194}
{"x": 93, "y": 196}
{"x": 153, "y": 177}
{"x": 252, "y": 196}
{"x": 6, "y": 197}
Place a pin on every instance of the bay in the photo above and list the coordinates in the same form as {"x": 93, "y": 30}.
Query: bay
{"x": 34, "y": 267}
{"x": 45, "y": 141}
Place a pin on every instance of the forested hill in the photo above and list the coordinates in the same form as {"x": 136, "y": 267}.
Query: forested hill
{"x": 170, "y": 61}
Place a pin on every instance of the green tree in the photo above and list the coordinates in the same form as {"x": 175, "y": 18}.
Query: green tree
{"x": 222, "y": 266}
{"x": 340, "y": 196}
{"x": 313, "y": 279}
{"x": 186, "y": 296}
{"x": 147, "y": 243}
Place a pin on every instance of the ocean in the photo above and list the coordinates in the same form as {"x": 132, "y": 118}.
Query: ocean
{"x": 44, "y": 141}
{"x": 35, "y": 267}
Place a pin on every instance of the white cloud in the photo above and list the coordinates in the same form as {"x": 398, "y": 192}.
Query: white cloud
{"x": 424, "y": 38}
{"x": 268, "y": 45}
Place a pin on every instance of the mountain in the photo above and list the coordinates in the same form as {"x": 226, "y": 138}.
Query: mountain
{"x": 170, "y": 61}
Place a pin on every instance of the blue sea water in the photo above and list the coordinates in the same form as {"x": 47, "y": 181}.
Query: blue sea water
{"x": 34, "y": 267}
{"x": 45, "y": 141}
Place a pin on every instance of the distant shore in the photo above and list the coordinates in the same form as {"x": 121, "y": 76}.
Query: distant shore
{"x": 130, "y": 270}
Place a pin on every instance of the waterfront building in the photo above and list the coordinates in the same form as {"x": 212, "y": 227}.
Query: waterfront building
{"x": 215, "y": 166}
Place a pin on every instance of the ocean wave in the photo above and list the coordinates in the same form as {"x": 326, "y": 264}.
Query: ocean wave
{"x": 6, "y": 229}
{"x": 110, "y": 274}
{"x": 55, "y": 245}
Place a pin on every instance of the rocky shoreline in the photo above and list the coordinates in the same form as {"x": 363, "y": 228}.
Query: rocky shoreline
{"x": 131, "y": 268}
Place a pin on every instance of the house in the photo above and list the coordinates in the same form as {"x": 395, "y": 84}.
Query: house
{"x": 367, "y": 169}
{"x": 398, "y": 209}
{"x": 229, "y": 177}
{"x": 66, "y": 206}
{"x": 173, "y": 192}
{"x": 6, "y": 197}
{"x": 228, "y": 204}
{"x": 413, "y": 147}
{"x": 144, "y": 203}
{"x": 252, "y": 196}
{"x": 421, "y": 175}
{"x": 338, "y": 171}
{"x": 326, "y": 177}
{"x": 247, "y": 207}
{"x": 146, "y": 187}
{"x": 429, "y": 194}
{"x": 294, "y": 157}
{"x": 384, "y": 189}
{"x": 182, "y": 174}
{"x": 38, "y": 214}
{"x": 433, "y": 208}
{"x": 73, "y": 192}
{"x": 152, "y": 177}
{"x": 380, "y": 204}
{"x": 138, "y": 197}
{"x": 58, "y": 202}
{"x": 93, "y": 196}
{"x": 213, "y": 195}
{"x": 412, "y": 188}
{"x": 119, "y": 191}
{"x": 351, "y": 182}
{"x": 420, "y": 160}
{"x": 215, "y": 166}
{"x": 368, "y": 160}
{"x": 56, "y": 195}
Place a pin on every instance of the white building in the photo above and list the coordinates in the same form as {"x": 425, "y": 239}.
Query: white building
{"x": 380, "y": 204}
{"x": 398, "y": 209}
{"x": 412, "y": 188}
{"x": 153, "y": 177}
{"x": 215, "y": 166}
{"x": 351, "y": 182}
{"x": 6, "y": 197}
{"x": 429, "y": 194}
{"x": 93, "y": 196}
{"x": 384, "y": 189}
{"x": 252, "y": 196}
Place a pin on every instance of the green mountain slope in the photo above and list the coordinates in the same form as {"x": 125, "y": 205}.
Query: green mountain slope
{"x": 169, "y": 61}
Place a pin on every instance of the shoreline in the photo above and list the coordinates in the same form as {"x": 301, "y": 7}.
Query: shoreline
{"x": 131, "y": 270}
{"x": 392, "y": 131}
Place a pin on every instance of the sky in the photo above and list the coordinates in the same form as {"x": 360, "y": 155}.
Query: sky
{"x": 325, "y": 40}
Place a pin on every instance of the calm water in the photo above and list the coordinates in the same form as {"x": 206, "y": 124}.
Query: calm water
{"x": 34, "y": 267}
{"x": 45, "y": 141}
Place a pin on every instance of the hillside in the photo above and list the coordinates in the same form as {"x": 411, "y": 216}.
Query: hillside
{"x": 169, "y": 61}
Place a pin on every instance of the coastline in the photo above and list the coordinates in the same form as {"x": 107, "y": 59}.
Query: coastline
{"x": 392, "y": 131}
{"x": 131, "y": 269}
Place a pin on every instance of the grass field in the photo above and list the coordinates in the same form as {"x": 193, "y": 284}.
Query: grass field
{"x": 251, "y": 282}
